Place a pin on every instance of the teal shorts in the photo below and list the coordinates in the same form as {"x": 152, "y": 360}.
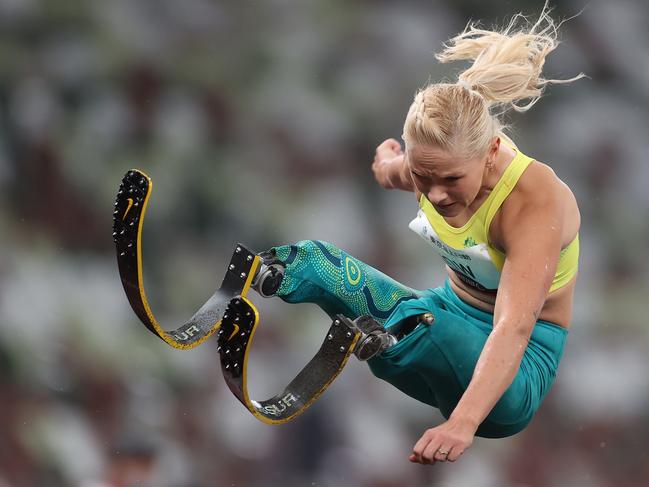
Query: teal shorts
{"x": 435, "y": 363}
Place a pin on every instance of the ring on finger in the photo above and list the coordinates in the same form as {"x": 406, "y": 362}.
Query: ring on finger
{"x": 442, "y": 452}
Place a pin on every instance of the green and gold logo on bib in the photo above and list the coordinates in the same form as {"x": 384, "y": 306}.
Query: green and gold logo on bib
{"x": 469, "y": 242}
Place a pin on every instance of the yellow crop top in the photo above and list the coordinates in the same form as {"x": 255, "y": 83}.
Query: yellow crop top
{"x": 467, "y": 249}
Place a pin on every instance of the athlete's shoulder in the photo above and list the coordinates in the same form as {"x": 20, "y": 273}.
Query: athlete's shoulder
{"x": 539, "y": 175}
{"x": 538, "y": 185}
{"x": 540, "y": 188}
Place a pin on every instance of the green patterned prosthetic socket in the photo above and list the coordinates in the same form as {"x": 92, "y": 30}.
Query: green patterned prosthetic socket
{"x": 319, "y": 272}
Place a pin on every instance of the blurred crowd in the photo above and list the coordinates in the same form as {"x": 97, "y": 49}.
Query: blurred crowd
{"x": 257, "y": 122}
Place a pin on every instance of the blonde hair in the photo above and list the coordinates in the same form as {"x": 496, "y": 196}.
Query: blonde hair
{"x": 465, "y": 116}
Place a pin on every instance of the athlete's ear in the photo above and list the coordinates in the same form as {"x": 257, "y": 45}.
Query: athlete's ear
{"x": 495, "y": 145}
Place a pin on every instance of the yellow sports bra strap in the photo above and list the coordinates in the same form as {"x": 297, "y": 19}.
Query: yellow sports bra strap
{"x": 506, "y": 184}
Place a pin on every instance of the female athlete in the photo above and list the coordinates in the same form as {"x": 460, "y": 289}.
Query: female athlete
{"x": 505, "y": 225}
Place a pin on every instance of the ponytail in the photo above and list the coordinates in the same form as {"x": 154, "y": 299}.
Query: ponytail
{"x": 507, "y": 65}
{"x": 506, "y": 70}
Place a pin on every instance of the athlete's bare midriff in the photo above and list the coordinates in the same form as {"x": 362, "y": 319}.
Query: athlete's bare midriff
{"x": 557, "y": 308}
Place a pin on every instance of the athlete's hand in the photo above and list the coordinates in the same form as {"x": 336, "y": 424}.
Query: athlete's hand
{"x": 388, "y": 160}
{"x": 445, "y": 442}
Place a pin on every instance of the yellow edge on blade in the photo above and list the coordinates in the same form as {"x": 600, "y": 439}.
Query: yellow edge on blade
{"x": 162, "y": 333}
{"x": 244, "y": 386}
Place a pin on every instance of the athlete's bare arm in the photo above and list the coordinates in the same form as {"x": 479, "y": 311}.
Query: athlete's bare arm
{"x": 532, "y": 227}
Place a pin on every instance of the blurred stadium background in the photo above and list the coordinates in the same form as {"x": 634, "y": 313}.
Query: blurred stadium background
{"x": 257, "y": 122}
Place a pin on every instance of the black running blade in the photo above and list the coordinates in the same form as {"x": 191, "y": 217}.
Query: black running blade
{"x": 128, "y": 219}
{"x": 234, "y": 341}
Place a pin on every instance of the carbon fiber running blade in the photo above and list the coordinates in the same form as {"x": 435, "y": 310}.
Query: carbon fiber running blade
{"x": 128, "y": 219}
{"x": 234, "y": 343}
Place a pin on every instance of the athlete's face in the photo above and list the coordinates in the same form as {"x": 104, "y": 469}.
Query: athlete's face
{"x": 449, "y": 182}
